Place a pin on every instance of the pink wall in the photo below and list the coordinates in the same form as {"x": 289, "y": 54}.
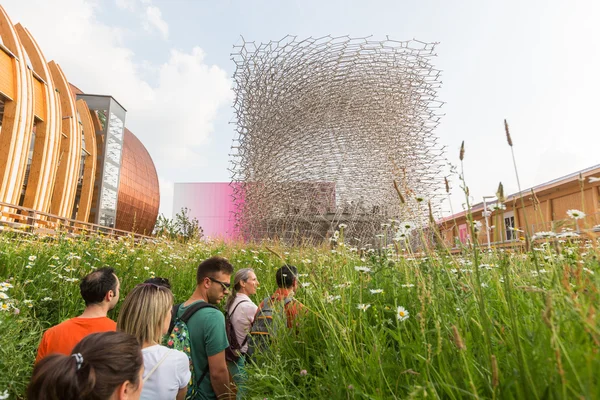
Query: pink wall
{"x": 211, "y": 203}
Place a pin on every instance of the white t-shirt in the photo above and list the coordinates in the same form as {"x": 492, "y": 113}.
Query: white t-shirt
{"x": 242, "y": 318}
{"x": 170, "y": 376}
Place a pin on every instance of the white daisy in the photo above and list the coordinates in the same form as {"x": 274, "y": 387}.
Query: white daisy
{"x": 363, "y": 307}
{"x": 402, "y": 314}
{"x": 376, "y": 291}
{"x": 363, "y": 269}
{"x": 576, "y": 214}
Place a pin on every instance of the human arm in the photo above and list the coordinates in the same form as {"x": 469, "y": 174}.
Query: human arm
{"x": 219, "y": 377}
{"x": 181, "y": 394}
{"x": 183, "y": 375}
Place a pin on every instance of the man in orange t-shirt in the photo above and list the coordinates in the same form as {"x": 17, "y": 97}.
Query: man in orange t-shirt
{"x": 100, "y": 291}
{"x": 287, "y": 285}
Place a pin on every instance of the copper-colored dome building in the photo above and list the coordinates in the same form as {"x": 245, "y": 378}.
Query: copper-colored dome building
{"x": 65, "y": 154}
{"x": 139, "y": 196}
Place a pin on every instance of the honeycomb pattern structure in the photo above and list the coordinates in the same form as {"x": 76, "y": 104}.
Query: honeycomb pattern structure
{"x": 325, "y": 126}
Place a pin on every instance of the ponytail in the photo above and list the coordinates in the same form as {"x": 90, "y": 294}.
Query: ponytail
{"x": 242, "y": 275}
{"x": 100, "y": 363}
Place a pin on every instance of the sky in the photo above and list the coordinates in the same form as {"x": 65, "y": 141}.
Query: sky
{"x": 535, "y": 63}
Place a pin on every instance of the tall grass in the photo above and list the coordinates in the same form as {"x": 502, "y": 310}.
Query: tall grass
{"x": 542, "y": 338}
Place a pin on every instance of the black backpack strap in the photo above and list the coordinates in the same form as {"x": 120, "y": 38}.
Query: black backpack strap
{"x": 201, "y": 377}
{"x": 193, "y": 308}
{"x": 174, "y": 311}
{"x": 235, "y": 308}
{"x": 187, "y": 314}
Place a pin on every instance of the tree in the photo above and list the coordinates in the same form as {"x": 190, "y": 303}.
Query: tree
{"x": 182, "y": 227}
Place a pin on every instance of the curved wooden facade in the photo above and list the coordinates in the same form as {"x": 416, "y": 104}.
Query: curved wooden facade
{"x": 52, "y": 143}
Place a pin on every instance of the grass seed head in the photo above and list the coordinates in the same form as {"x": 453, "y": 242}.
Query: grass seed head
{"x": 508, "y": 138}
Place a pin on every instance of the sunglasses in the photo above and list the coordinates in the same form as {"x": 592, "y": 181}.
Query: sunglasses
{"x": 224, "y": 285}
{"x": 159, "y": 287}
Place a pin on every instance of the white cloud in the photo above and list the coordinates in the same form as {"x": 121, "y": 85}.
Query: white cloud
{"x": 126, "y": 4}
{"x": 173, "y": 116}
{"x": 154, "y": 20}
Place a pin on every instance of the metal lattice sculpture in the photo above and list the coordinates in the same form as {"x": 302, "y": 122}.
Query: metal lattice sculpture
{"x": 325, "y": 128}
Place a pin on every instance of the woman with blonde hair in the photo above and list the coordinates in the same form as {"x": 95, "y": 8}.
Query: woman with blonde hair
{"x": 240, "y": 311}
{"x": 146, "y": 314}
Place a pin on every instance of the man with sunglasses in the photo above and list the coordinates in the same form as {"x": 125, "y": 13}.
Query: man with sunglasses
{"x": 207, "y": 329}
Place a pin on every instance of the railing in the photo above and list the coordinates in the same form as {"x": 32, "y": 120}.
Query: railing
{"x": 22, "y": 219}
{"x": 589, "y": 222}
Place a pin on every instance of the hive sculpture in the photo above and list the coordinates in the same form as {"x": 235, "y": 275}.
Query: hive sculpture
{"x": 325, "y": 126}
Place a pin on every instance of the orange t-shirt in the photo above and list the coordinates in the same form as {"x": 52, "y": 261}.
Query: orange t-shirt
{"x": 292, "y": 309}
{"x": 64, "y": 336}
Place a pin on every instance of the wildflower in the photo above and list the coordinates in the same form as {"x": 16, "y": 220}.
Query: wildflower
{"x": 331, "y": 298}
{"x": 363, "y": 269}
{"x": 303, "y": 372}
{"x": 376, "y": 291}
{"x": 343, "y": 285}
{"x": 47, "y": 299}
{"x": 336, "y": 235}
{"x": 32, "y": 258}
{"x": 567, "y": 235}
{"x": 486, "y": 213}
{"x": 6, "y": 285}
{"x": 402, "y": 314}
{"x": 3, "y": 296}
{"x": 4, "y": 306}
{"x": 477, "y": 226}
{"x": 28, "y": 266}
{"x": 342, "y": 226}
{"x": 589, "y": 271}
{"x": 350, "y": 387}
{"x": 302, "y": 275}
{"x": 496, "y": 206}
{"x": 510, "y": 228}
{"x": 576, "y": 214}
{"x": 4, "y": 395}
{"x": 306, "y": 284}
{"x": 379, "y": 236}
{"x": 363, "y": 307}
{"x": 543, "y": 235}
{"x": 407, "y": 285}
{"x": 16, "y": 311}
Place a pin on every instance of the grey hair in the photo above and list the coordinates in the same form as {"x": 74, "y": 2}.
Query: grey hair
{"x": 242, "y": 275}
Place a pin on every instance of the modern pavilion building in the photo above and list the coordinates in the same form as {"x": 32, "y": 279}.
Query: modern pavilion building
{"x": 66, "y": 155}
{"x": 540, "y": 209}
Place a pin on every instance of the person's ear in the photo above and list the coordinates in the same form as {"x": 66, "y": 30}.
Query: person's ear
{"x": 109, "y": 295}
{"x": 125, "y": 390}
{"x": 121, "y": 390}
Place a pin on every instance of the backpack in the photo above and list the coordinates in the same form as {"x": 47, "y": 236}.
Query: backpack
{"x": 263, "y": 327}
{"x": 179, "y": 339}
{"x": 233, "y": 352}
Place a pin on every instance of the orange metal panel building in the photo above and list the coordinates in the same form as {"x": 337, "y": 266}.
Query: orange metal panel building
{"x": 66, "y": 153}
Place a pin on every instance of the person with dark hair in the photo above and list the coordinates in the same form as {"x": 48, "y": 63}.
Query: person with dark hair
{"x": 103, "y": 366}
{"x": 287, "y": 284}
{"x": 206, "y": 327}
{"x": 164, "y": 282}
{"x": 100, "y": 291}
